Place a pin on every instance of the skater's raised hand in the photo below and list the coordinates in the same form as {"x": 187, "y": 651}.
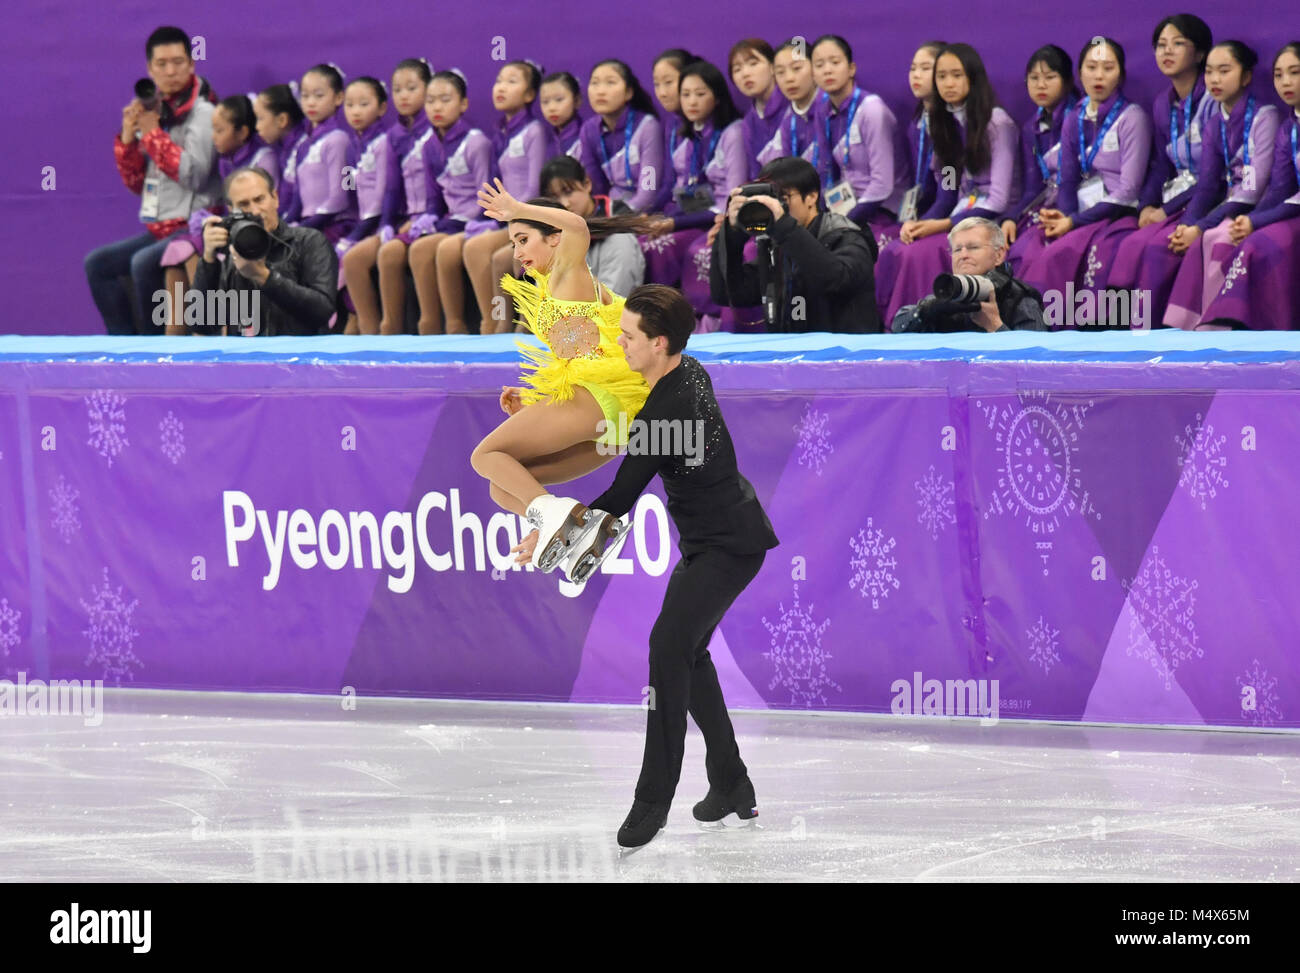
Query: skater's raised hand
{"x": 510, "y": 400}
{"x": 525, "y": 549}
{"x": 497, "y": 203}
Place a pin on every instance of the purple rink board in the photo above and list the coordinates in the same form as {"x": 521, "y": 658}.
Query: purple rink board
{"x": 1105, "y": 525}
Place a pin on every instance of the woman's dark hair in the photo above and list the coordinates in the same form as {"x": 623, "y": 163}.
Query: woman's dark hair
{"x": 566, "y": 79}
{"x": 838, "y": 41}
{"x": 166, "y": 35}
{"x": 240, "y": 111}
{"x": 1293, "y": 47}
{"x": 640, "y": 100}
{"x": 417, "y": 64}
{"x": 791, "y": 173}
{"x": 1190, "y": 26}
{"x": 532, "y": 74}
{"x": 570, "y": 171}
{"x": 678, "y": 55}
{"x": 934, "y": 47}
{"x": 375, "y": 85}
{"x": 1241, "y": 53}
{"x": 280, "y": 101}
{"x": 1056, "y": 60}
{"x": 724, "y": 109}
{"x": 1114, "y": 45}
{"x": 452, "y": 78}
{"x": 755, "y": 44}
{"x": 664, "y": 312}
{"x": 973, "y": 152}
{"x": 330, "y": 73}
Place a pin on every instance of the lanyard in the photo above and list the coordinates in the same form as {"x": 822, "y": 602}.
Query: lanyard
{"x": 697, "y": 166}
{"x": 627, "y": 157}
{"x": 794, "y": 141}
{"x": 1245, "y": 139}
{"x": 923, "y": 151}
{"x": 1086, "y": 158}
{"x": 1295, "y": 151}
{"x": 1174, "y": 134}
{"x": 852, "y": 112}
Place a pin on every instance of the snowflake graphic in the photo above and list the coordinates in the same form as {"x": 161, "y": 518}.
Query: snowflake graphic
{"x": 1161, "y": 629}
{"x": 873, "y": 564}
{"x": 656, "y": 244}
{"x": 107, "y": 420}
{"x": 64, "y": 498}
{"x": 8, "y": 627}
{"x": 1266, "y": 707}
{"x": 1043, "y": 643}
{"x": 797, "y": 654}
{"x": 937, "y": 502}
{"x": 173, "y": 437}
{"x": 110, "y": 632}
{"x": 1202, "y": 460}
{"x": 1238, "y": 269}
{"x": 814, "y": 443}
{"x": 1094, "y": 265}
{"x": 1039, "y": 477}
{"x": 702, "y": 258}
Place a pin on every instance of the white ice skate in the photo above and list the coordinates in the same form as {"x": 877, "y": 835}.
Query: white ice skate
{"x": 588, "y": 550}
{"x": 559, "y": 521}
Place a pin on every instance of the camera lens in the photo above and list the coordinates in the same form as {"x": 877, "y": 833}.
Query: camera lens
{"x": 250, "y": 239}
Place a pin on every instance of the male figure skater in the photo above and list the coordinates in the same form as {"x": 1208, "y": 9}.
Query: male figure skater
{"x": 724, "y": 537}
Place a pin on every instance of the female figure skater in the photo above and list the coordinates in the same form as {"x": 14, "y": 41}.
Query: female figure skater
{"x": 579, "y": 383}
{"x": 1248, "y": 276}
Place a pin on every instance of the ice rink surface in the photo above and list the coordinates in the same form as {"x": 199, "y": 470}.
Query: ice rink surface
{"x": 214, "y": 787}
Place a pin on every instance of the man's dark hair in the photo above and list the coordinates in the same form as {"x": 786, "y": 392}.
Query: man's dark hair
{"x": 564, "y": 169}
{"x": 166, "y": 35}
{"x": 791, "y": 172}
{"x": 664, "y": 312}
{"x": 244, "y": 170}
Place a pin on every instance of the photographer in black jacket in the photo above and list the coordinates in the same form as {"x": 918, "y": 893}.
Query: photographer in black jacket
{"x": 979, "y": 250}
{"x": 816, "y": 270}
{"x": 295, "y": 281}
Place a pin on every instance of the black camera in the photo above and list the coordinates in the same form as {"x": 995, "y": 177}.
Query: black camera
{"x": 963, "y": 288}
{"x": 247, "y": 234}
{"x": 754, "y": 217}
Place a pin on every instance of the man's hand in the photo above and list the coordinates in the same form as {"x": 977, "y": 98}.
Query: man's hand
{"x": 147, "y": 121}
{"x": 131, "y": 120}
{"x": 215, "y": 236}
{"x": 988, "y": 316}
{"x": 255, "y": 270}
{"x": 525, "y": 549}
{"x": 1240, "y": 228}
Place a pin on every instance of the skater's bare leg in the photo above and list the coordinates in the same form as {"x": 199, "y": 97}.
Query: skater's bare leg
{"x": 568, "y": 464}
{"x": 530, "y": 434}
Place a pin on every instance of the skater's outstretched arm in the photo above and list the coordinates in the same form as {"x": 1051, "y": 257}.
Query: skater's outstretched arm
{"x": 575, "y": 238}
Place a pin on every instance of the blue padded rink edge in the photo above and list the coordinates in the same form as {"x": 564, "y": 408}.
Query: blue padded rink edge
{"x": 1241, "y": 347}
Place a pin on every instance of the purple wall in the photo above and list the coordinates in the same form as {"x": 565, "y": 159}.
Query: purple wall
{"x": 67, "y": 70}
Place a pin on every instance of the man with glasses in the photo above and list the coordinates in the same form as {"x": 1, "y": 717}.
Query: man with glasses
{"x": 979, "y": 248}
{"x": 823, "y": 264}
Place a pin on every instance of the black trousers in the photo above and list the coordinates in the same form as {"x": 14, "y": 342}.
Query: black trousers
{"x": 700, "y": 590}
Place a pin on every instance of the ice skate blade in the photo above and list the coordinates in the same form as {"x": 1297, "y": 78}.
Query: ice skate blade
{"x": 731, "y": 823}
{"x": 590, "y": 563}
{"x": 559, "y": 545}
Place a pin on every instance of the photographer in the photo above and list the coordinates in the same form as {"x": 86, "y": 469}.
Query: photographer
{"x": 165, "y": 156}
{"x": 980, "y": 294}
{"x": 815, "y": 270}
{"x": 293, "y": 267}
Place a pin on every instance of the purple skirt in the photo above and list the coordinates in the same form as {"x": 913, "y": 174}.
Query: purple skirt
{"x": 1145, "y": 263}
{"x": 905, "y": 272}
{"x": 665, "y": 256}
{"x": 1082, "y": 258}
{"x": 1030, "y": 242}
{"x": 1261, "y": 287}
{"x": 1200, "y": 277}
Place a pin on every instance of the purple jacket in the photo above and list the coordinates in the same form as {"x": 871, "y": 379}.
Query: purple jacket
{"x": 1237, "y": 197}
{"x": 371, "y": 149}
{"x": 1282, "y": 201}
{"x": 567, "y": 140}
{"x": 759, "y": 130}
{"x": 322, "y": 198}
{"x": 1040, "y": 147}
{"x": 286, "y": 159}
{"x": 458, "y": 162}
{"x": 1121, "y": 161}
{"x": 796, "y": 134}
{"x": 1187, "y": 147}
{"x": 406, "y": 182}
{"x": 630, "y": 170}
{"x": 871, "y": 154}
{"x": 254, "y": 152}
{"x": 990, "y": 192}
{"x": 723, "y": 169}
{"x": 520, "y": 147}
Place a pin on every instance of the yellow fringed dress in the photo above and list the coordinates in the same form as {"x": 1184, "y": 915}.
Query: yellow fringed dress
{"x": 597, "y": 363}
